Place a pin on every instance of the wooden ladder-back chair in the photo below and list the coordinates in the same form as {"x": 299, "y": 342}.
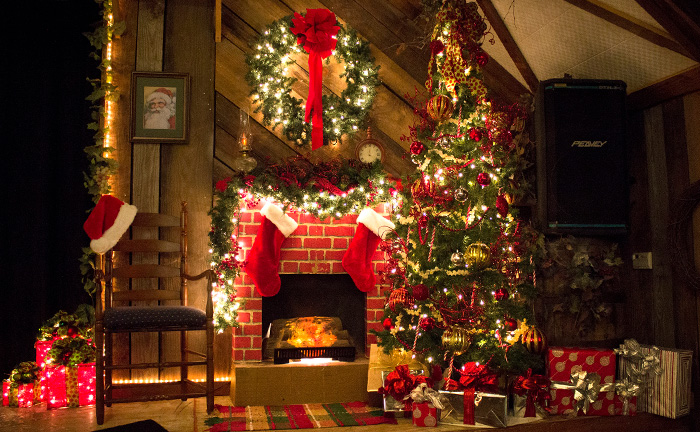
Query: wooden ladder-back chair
{"x": 149, "y": 306}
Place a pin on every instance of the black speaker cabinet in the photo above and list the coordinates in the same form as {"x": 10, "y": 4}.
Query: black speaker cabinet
{"x": 581, "y": 157}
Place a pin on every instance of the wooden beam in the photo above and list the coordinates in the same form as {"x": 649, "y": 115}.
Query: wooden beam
{"x": 630, "y": 24}
{"x": 678, "y": 85}
{"x": 499, "y": 26}
{"x": 217, "y": 20}
{"x": 677, "y": 23}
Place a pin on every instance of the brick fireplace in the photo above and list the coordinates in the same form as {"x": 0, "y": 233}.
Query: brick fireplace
{"x": 315, "y": 247}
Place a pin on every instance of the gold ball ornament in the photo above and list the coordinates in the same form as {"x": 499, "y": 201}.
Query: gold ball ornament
{"x": 478, "y": 255}
{"x": 456, "y": 339}
{"x": 440, "y": 108}
{"x": 534, "y": 340}
{"x": 400, "y": 298}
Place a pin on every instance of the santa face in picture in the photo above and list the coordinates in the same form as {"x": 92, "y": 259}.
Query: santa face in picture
{"x": 159, "y": 112}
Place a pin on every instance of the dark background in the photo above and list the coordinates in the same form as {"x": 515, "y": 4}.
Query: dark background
{"x": 45, "y": 68}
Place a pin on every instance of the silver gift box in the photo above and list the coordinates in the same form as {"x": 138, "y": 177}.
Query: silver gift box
{"x": 491, "y": 410}
{"x": 391, "y": 404}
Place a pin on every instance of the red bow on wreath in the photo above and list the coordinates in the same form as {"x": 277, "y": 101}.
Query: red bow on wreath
{"x": 536, "y": 387}
{"x": 473, "y": 378}
{"x": 400, "y": 382}
{"x": 315, "y": 32}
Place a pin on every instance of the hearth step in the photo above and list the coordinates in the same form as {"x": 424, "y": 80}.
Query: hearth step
{"x": 283, "y": 355}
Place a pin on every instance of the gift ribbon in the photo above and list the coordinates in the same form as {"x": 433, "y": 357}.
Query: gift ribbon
{"x": 535, "y": 387}
{"x": 423, "y": 393}
{"x": 316, "y": 33}
{"x": 627, "y": 390}
{"x": 641, "y": 366}
{"x": 473, "y": 378}
{"x": 400, "y": 382}
{"x": 586, "y": 387}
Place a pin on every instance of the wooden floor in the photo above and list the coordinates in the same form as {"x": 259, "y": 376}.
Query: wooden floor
{"x": 189, "y": 416}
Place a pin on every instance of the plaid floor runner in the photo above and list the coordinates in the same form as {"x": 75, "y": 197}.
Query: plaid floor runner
{"x": 307, "y": 416}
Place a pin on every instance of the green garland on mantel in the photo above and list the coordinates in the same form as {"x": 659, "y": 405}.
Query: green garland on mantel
{"x": 326, "y": 190}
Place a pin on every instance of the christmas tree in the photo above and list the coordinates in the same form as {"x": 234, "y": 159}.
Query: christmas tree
{"x": 461, "y": 266}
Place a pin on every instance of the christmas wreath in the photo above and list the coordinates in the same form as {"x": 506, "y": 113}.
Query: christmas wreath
{"x": 319, "y": 33}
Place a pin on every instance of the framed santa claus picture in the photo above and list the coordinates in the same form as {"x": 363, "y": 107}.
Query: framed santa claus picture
{"x": 159, "y": 107}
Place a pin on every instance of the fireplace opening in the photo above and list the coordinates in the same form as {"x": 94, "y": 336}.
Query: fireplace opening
{"x": 314, "y": 316}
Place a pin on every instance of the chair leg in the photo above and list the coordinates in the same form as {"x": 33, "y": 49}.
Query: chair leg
{"x": 108, "y": 372}
{"x": 183, "y": 357}
{"x": 99, "y": 372}
{"x": 210, "y": 367}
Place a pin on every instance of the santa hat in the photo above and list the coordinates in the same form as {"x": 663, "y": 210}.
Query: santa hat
{"x": 161, "y": 93}
{"x": 107, "y": 222}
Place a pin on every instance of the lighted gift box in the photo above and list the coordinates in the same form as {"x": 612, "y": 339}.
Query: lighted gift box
{"x": 6, "y": 393}
{"x": 42, "y": 348}
{"x": 70, "y": 386}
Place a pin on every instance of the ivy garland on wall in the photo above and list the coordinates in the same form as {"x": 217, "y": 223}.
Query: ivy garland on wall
{"x": 327, "y": 189}
{"x": 345, "y": 114}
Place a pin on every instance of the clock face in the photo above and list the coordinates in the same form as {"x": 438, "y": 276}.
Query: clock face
{"x": 369, "y": 152}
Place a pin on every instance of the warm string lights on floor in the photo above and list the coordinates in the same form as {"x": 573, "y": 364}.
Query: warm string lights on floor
{"x": 164, "y": 381}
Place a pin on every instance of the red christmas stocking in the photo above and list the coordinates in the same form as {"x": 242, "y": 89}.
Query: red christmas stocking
{"x": 357, "y": 261}
{"x": 264, "y": 257}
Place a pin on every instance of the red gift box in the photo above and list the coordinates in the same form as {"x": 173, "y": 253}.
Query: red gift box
{"x": 42, "y": 349}
{"x": 5, "y": 393}
{"x": 425, "y": 414}
{"x": 70, "y": 386}
{"x": 563, "y": 361}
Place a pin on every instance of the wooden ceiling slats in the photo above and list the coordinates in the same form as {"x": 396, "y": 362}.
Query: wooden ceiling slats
{"x": 493, "y": 18}
{"x": 630, "y": 24}
{"x": 677, "y": 22}
{"x": 679, "y": 85}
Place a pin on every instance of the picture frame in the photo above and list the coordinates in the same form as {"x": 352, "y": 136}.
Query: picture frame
{"x": 159, "y": 107}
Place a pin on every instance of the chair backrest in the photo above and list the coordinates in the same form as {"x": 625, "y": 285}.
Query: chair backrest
{"x": 149, "y": 262}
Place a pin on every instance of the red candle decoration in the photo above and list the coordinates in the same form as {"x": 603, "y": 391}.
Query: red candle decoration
{"x": 315, "y": 32}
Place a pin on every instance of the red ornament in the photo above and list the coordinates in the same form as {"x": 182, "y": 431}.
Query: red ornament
{"x": 73, "y": 331}
{"x": 510, "y": 324}
{"x": 475, "y": 134}
{"x": 501, "y": 294}
{"x": 534, "y": 340}
{"x": 440, "y": 108}
{"x": 436, "y": 47}
{"x": 388, "y": 324}
{"x": 502, "y": 205}
{"x": 399, "y": 298}
{"x": 420, "y": 292}
{"x": 483, "y": 179}
{"x": 427, "y": 324}
{"x": 417, "y": 147}
{"x": 481, "y": 58}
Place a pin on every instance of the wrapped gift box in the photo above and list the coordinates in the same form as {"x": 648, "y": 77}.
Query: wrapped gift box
{"x": 491, "y": 409}
{"x": 667, "y": 394}
{"x": 391, "y": 404}
{"x": 6, "y": 393}
{"x": 70, "y": 386}
{"x": 563, "y": 361}
{"x": 425, "y": 414}
{"x": 520, "y": 405}
{"x": 380, "y": 362}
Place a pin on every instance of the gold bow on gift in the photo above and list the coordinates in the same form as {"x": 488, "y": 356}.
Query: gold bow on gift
{"x": 423, "y": 393}
{"x": 640, "y": 365}
{"x": 586, "y": 387}
{"x": 627, "y": 390}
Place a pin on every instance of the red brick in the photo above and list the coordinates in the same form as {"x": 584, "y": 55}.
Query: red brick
{"x": 253, "y": 354}
{"x": 238, "y": 355}
{"x": 380, "y": 316}
{"x": 371, "y": 339}
{"x": 332, "y": 255}
{"x": 323, "y": 268}
{"x": 292, "y": 243}
{"x": 340, "y": 243}
{"x": 379, "y": 209}
{"x": 257, "y": 317}
{"x": 320, "y": 243}
{"x": 257, "y": 217}
{"x": 374, "y": 326}
{"x": 338, "y": 267}
{"x": 237, "y": 331}
{"x": 370, "y": 315}
{"x": 252, "y": 330}
{"x": 350, "y": 219}
{"x": 245, "y": 241}
{"x": 301, "y": 230}
{"x": 253, "y": 304}
{"x": 243, "y": 291}
{"x": 308, "y": 219}
{"x": 316, "y": 255}
{"x": 245, "y": 217}
{"x": 241, "y": 342}
{"x": 294, "y": 255}
{"x": 375, "y": 303}
{"x": 243, "y": 317}
{"x": 374, "y": 292}
{"x": 339, "y": 231}
{"x": 290, "y": 267}
{"x": 306, "y": 267}
{"x": 378, "y": 267}
{"x": 251, "y": 229}
{"x": 378, "y": 255}
{"x": 257, "y": 340}
{"x": 315, "y": 230}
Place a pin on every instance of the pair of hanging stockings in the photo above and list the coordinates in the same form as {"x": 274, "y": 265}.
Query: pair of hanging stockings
{"x": 264, "y": 256}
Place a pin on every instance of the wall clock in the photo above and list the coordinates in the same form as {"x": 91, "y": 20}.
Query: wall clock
{"x": 369, "y": 150}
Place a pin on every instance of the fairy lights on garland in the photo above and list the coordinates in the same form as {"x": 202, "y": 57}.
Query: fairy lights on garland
{"x": 327, "y": 189}
{"x": 276, "y": 50}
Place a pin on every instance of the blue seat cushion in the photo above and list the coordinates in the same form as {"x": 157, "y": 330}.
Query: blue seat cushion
{"x": 156, "y": 317}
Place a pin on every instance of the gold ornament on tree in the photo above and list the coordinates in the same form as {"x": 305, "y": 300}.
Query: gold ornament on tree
{"x": 400, "y": 298}
{"x": 478, "y": 255}
{"x": 534, "y": 340}
{"x": 456, "y": 339}
{"x": 440, "y": 108}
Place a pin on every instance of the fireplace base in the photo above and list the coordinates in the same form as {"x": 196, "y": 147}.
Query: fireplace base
{"x": 266, "y": 383}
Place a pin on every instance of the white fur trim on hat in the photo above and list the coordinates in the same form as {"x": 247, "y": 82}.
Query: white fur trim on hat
{"x": 111, "y": 236}
{"x": 283, "y": 222}
{"x": 161, "y": 93}
{"x": 376, "y": 223}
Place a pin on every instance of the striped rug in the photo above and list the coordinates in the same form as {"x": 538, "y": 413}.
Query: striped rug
{"x": 307, "y": 416}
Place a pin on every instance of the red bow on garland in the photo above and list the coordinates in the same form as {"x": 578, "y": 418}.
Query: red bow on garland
{"x": 315, "y": 32}
{"x": 536, "y": 387}
{"x": 473, "y": 378}
{"x": 400, "y": 382}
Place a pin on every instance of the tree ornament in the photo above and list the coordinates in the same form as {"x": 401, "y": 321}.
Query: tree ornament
{"x": 457, "y": 259}
{"x": 510, "y": 324}
{"x": 440, "y": 108}
{"x": 436, "y": 47}
{"x": 481, "y": 58}
{"x": 400, "y": 298}
{"x": 478, "y": 255}
{"x": 483, "y": 179}
{"x": 502, "y": 205}
{"x": 461, "y": 194}
{"x": 417, "y": 148}
{"x": 475, "y": 134}
{"x": 534, "y": 340}
{"x": 388, "y": 324}
{"x": 73, "y": 331}
{"x": 427, "y": 323}
{"x": 456, "y": 339}
{"x": 423, "y": 188}
{"x": 501, "y": 294}
{"x": 421, "y": 292}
